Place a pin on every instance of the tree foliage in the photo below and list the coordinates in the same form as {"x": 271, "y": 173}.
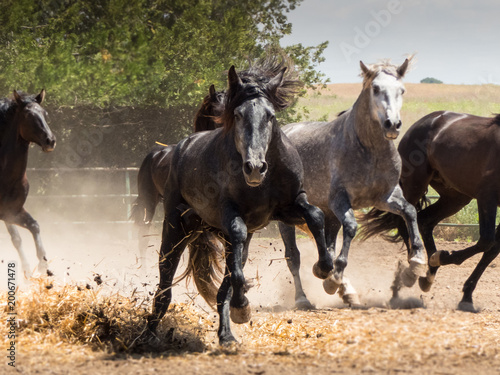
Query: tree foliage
{"x": 430, "y": 80}
{"x": 139, "y": 52}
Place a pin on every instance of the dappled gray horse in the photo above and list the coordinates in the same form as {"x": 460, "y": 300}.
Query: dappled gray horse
{"x": 352, "y": 163}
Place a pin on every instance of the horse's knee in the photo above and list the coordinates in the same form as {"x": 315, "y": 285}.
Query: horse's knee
{"x": 350, "y": 228}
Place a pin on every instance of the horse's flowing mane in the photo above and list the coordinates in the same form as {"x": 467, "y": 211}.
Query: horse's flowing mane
{"x": 256, "y": 81}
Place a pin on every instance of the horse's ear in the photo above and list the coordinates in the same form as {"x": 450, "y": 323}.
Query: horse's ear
{"x": 18, "y": 98}
{"x": 402, "y": 69}
{"x": 364, "y": 68}
{"x": 211, "y": 92}
{"x": 276, "y": 81}
{"x": 40, "y": 97}
{"x": 232, "y": 77}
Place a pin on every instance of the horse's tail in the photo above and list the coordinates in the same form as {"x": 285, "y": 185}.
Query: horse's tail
{"x": 144, "y": 207}
{"x": 205, "y": 266}
{"x": 377, "y": 221}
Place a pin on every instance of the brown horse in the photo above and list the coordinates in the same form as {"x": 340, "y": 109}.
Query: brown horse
{"x": 22, "y": 121}
{"x": 459, "y": 156}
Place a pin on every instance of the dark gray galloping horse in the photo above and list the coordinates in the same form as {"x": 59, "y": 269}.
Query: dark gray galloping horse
{"x": 352, "y": 163}
{"x": 234, "y": 180}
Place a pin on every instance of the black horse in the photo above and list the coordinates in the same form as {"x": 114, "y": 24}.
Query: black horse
{"x": 22, "y": 121}
{"x": 234, "y": 180}
{"x": 459, "y": 156}
{"x": 154, "y": 170}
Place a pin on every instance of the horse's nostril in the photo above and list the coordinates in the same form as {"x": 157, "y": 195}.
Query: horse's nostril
{"x": 387, "y": 124}
{"x": 398, "y": 125}
{"x": 263, "y": 169}
{"x": 247, "y": 167}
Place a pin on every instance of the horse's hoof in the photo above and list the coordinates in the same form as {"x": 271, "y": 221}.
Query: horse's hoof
{"x": 351, "y": 300}
{"x": 319, "y": 273}
{"x": 240, "y": 315}
{"x": 434, "y": 260}
{"x": 303, "y": 303}
{"x": 348, "y": 293}
{"x": 467, "y": 307}
{"x": 228, "y": 341}
{"x": 408, "y": 277}
{"x": 330, "y": 284}
{"x": 424, "y": 284}
{"x": 418, "y": 266}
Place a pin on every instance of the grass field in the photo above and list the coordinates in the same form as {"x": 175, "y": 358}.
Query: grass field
{"x": 419, "y": 100}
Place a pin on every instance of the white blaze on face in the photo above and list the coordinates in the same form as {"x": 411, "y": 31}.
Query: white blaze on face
{"x": 388, "y": 93}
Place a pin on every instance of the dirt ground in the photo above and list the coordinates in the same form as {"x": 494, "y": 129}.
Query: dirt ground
{"x": 333, "y": 339}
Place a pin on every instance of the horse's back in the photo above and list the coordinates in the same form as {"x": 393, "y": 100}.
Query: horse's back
{"x": 462, "y": 149}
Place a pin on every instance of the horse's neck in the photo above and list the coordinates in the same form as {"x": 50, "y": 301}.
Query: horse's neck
{"x": 13, "y": 153}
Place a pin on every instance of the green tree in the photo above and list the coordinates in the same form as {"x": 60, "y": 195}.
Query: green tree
{"x": 138, "y": 52}
{"x": 430, "y": 80}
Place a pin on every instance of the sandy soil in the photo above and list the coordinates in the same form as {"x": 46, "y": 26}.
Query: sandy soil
{"x": 332, "y": 339}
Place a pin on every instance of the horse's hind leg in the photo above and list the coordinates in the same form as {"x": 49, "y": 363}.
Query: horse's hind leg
{"x": 25, "y": 220}
{"x": 174, "y": 240}
{"x": 487, "y": 209}
{"x": 292, "y": 256}
{"x": 17, "y": 242}
{"x": 466, "y": 303}
{"x": 449, "y": 203}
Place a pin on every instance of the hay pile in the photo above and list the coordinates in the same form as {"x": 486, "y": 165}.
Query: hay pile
{"x": 51, "y": 316}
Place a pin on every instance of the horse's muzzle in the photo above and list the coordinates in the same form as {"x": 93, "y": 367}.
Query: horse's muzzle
{"x": 254, "y": 172}
{"x": 49, "y": 144}
{"x": 391, "y": 129}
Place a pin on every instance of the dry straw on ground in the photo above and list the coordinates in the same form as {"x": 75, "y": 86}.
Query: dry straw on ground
{"x": 72, "y": 318}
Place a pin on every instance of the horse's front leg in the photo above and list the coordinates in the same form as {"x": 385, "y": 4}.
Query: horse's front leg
{"x": 17, "y": 242}
{"x": 25, "y": 220}
{"x": 237, "y": 232}
{"x": 224, "y": 298}
{"x": 340, "y": 204}
{"x": 397, "y": 204}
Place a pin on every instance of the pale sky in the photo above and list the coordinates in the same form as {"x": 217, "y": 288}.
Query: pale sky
{"x": 456, "y": 41}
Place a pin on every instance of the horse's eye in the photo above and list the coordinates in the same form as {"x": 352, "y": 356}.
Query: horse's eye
{"x": 376, "y": 90}
{"x": 403, "y": 91}
{"x": 271, "y": 118}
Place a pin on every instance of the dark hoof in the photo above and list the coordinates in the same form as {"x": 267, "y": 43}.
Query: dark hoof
{"x": 405, "y": 303}
{"x": 228, "y": 341}
{"x": 435, "y": 259}
{"x": 408, "y": 277}
{"x": 303, "y": 303}
{"x": 147, "y": 341}
{"x": 424, "y": 284}
{"x": 319, "y": 273}
{"x": 240, "y": 315}
{"x": 467, "y": 307}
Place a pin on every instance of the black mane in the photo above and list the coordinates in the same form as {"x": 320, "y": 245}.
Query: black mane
{"x": 256, "y": 81}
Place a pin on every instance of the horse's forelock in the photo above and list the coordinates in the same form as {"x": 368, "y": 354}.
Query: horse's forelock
{"x": 256, "y": 82}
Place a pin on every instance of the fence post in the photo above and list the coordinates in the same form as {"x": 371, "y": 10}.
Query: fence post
{"x": 129, "y": 203}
